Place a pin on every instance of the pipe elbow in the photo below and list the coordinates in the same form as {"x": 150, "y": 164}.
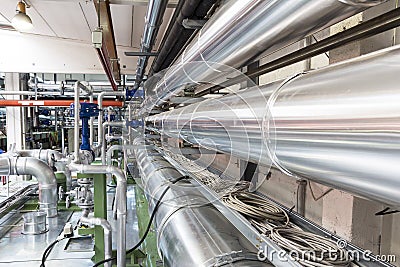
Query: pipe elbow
{"x": 47, "y": 182}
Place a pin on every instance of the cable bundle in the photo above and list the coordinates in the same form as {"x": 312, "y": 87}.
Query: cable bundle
{"x": 309, "y": 249}
{"x": 255, "y": 207}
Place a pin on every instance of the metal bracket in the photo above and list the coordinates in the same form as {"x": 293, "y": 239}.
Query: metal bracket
{"x": 193, "y": 24}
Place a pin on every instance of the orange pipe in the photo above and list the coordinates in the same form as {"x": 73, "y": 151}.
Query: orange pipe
{"x": 52, "y": 103}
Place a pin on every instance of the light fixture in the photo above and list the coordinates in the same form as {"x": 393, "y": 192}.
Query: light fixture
{"x": 21, "y": 21}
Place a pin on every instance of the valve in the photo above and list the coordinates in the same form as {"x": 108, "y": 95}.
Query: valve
{"x": 87, "y": 111}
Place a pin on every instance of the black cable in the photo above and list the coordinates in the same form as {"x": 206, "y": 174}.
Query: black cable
{"x": 153, "y": 214}
{"x": 47, "y": 251}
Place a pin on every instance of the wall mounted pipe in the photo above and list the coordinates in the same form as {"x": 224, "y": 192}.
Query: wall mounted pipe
{"x": 242, "y": 31}
{"x": 189, "y": 230}
{"x": 337, "y": 126}
{"x": 44, "y": 174}
{"x": 120, "y": 202}
{"x": 153, "y": 20}
{"x": 107, "y": 235}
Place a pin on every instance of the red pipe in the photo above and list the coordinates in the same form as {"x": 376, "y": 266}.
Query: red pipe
{"x": 52, "y": 103}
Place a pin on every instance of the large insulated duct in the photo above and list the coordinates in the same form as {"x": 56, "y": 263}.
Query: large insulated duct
{"x": 44, "y": 174}
{"x": 190, "y": 231}
{"x": 337, "y": 126}
{"x": 242, "y": 31}
{"x": 153, "y": 20}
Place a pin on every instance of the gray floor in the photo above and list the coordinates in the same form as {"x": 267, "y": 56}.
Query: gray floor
{"x": 18, "y": 250}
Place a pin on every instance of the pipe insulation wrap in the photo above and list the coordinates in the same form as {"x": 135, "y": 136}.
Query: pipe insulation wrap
{"x": 337, "y": 126}
{"x": 189, "y": 229}
{"x": 241, "y": 32}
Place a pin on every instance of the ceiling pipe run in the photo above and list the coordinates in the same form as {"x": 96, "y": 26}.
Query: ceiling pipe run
{"x": 176, "y": 35}
{"x": 338, "y": 126}
{"x": 241, "y": 32}
{"x": 153, "y": 20}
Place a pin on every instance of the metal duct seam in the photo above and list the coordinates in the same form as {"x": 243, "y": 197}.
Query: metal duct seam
{"x": 337, "y": 126}
{"x": 189, "y": 220}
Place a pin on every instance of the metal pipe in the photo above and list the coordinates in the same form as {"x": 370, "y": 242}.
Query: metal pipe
{"x": 46, "y": 155}
{"x": 50, "y": 103}
{"x": 120, "y": 202}
{"x": 113, "y": 148}
{"x": 91, "y": 120}
{"x": 176, "y": 36}
{"x": 189, "y": 230}
{"x": 153, "y": 21}
{"x": 76, "y": 122}
{"x": 104, "y": 143}
{"x": 364, "y": 30}
{"x": 44, "y": 174}
{"x": 242, "y": 31}
{"x": 62, "y": 140}
{"x": 107, "y": 235}
{"x": 100, "y": 101}
{"x": 17, "y": 93}
{"x": 336, "y": 126}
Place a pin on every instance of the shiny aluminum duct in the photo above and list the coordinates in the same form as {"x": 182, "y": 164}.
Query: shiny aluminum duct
{"x": 337, "y": 126}
{"x": 189, "y": 230}
{"x": 242, "y": 31}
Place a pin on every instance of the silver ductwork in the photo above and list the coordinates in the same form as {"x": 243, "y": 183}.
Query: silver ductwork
{"x": 153, "y": 21}
{"x": 189, "y": 229}
{"x": 42, "y": 172}
{"x": 337, "y": 126}
{"x": 239, "y": 33}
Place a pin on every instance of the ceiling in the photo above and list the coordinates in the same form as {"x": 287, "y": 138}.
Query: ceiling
{"x": 73, "y": 21}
